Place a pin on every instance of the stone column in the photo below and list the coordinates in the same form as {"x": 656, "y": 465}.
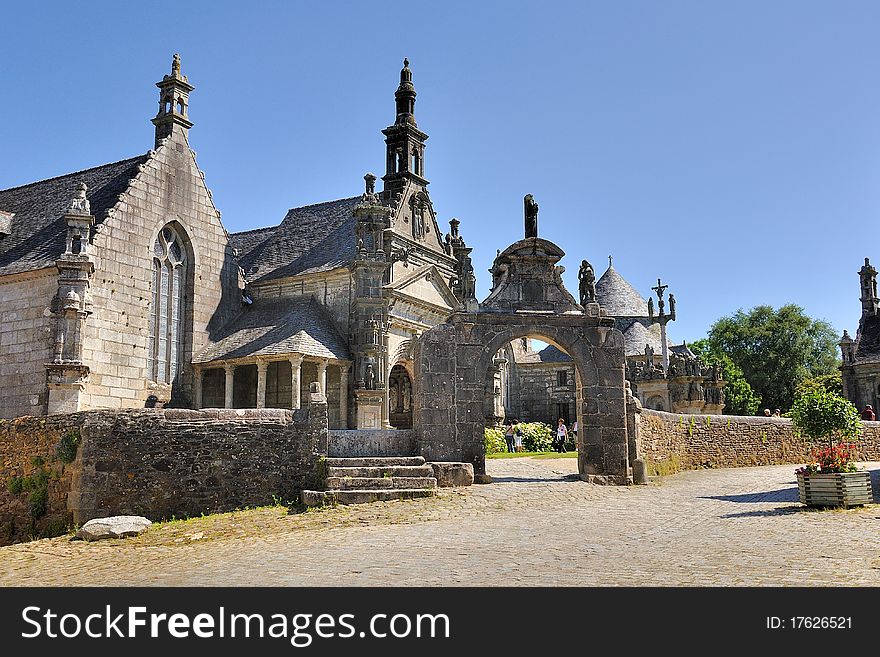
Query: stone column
{"x": 262, "y": 366}
{"x": 198, "y": 373}
{"x": 343, "y": 395}
{"x": 230, "y": 379}
{"x": 322, "y": 376}
{"x": 295, "y": 378}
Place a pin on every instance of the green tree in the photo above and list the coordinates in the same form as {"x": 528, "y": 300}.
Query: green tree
{"x": 827, "y": 382}
{"x": 739, "y": 398}
{"x": 823, "y": 415}
{"x": 776, "y": 349}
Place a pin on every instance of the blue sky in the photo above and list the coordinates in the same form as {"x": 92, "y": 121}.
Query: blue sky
{"x": 731, "y": 148}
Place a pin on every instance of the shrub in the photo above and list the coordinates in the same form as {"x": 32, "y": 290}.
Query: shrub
{"x": 65, "y": 451}
{"x": 494, "y": 440}
{"x": 537, "y": 436}
{"x": 822, "y": 415}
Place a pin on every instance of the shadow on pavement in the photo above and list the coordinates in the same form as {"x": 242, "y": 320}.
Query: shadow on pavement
{"x": 780, "y": 495}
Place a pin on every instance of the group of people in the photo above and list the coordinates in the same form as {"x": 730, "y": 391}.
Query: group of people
{"x": 513, "y": 436}
{"x": 776, "y": 413}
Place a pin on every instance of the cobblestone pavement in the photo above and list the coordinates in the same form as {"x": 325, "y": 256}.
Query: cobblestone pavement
{"x": 535, "y": 526}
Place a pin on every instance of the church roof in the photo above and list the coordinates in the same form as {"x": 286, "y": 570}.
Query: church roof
{"x": 618, "y": 297}
{"x": 548, "y": 354}
{"x": 310, "y": 239}
{"x": 637, "y": 336}
{"x": 38, "y": 231}
{"x": 273, "y": 327}
{"x": 868, "y": 350}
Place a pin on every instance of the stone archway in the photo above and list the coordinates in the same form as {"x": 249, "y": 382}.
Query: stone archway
{"x": 400, "y": 398}
{"x": 527, "y": 298}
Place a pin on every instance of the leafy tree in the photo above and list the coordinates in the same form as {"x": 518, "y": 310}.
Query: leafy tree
{"x": 827, "y": 382}
{"x": 822, "y": 415}
{"x": 776, "y": 349}
{"x": 739, "y": 398}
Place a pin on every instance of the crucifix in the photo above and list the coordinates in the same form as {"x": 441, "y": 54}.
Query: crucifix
{"x": 662, "y": 318}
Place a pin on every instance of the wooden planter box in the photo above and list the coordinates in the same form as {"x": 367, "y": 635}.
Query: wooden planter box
{"x": 835, "y": 489}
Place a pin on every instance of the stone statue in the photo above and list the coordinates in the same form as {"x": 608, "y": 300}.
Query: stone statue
{"x": 649, "y": 357}
{"x": 671, "y": 305}
{"x": 370, "y": 378}
{"x": 407, "y": 395}
{"x": 651, "y": 307}
{"x": 374, "y": 331}
{"x": 79, "y": 204}
{"x": 587, "y": 283}
{"x": 531, "y": 215}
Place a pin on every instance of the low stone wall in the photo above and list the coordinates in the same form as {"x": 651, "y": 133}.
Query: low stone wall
{"x": 36, "y": 475}
{"x": 672, "y": 442}
{"x": 371, "y": 442}
{"x": 157, "y": 463}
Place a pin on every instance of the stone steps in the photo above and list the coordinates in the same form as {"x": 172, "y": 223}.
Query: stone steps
{"x": 384, "y": 471}
{"x": 379, "y": 483}
{"x": 373, "y": 479}
{"x": 374, "y": 461}
{"x": 320, "y": 498}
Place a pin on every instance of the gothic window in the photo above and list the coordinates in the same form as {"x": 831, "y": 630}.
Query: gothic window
{"x": 562, "y": 378}
{"x": 167, "y": 305}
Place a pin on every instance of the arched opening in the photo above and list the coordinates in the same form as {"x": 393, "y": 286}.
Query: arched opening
{"x": 180, "y": 106}
{"x": 532, "y": 383}
{"x": 400, "y": 398}
{"x": 416, "y": 164}
{"x": 656, "y": 403}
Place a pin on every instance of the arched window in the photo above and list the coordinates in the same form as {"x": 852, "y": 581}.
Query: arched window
{"x": 167, "y": 305}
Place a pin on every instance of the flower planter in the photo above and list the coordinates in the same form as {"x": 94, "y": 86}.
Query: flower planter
{"x": 835, "y": 488}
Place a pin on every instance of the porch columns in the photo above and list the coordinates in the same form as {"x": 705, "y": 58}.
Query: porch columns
{"x": 322, "y": 376}
{"x": 262, "y": 366}
{"x": 295, "y": 378}
{"x": 198, "y": 373}
{"x": 343, "y": 396}
{"x": 230, "y": 380}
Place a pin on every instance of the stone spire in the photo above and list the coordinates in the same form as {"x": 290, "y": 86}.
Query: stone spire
{"x": 173, "y": 116}
{"x": 405, "y": 96}
{"x": 868, "y": 280}
{"x": 405, "y": 143}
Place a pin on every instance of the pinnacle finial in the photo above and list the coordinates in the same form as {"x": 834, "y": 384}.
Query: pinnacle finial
{"x": 610, "y": 261}
{"x": 79, "y": 204}
{"x": 175, "y": 65}
{"x": 405, "y": 62}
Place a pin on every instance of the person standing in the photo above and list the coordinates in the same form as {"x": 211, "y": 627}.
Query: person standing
{"x": 561, "y": 436}
{"x": 574, "y": 432}
{"x": 509, "y": 437}
{"x": 519, "y": 439}
{"x": 868, "y": 414}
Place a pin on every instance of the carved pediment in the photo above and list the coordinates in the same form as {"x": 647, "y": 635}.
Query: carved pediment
{"x": 526, "y": 277}
{"x": 425, "y": 285}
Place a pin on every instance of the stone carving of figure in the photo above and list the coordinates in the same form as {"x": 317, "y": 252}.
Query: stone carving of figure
{"x": 587, "y": 283}
{"x": 407, "y": 395}
{"x": 370, "y": 378}
{"x": 394, "y": 398}
{"x": 418, "y": 223}
{"x": 649, "y": 357}
{"x": 651, "y": 307}
{"x": 531, "y": 215}
{"x": 374, "y": 331}
{"x": 696, "y": 391}
{"x": 671, "y": 305}
{"x": 79, "y": 204}
{"x": 716, "y": 372}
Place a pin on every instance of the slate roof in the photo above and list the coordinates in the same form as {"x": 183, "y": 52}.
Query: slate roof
{"x": 637, "y": 336}
{"x": 278, "y": 326}
{"x": 868, "y": 350}
{"x": 682, "y": 350}
{"x": 38, "y": 231}
{"x": 310, "y": 239}
{"x": 619, "y": 298}
{"x": 548, "y": 354}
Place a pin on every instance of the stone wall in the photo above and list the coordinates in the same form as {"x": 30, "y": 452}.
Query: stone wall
{"x": 169, "y": 188}
{"x": 26, "y": 340}
{"x": 157, "y": 463}
{"x": 35, "y": 477}
{"x": 372, "y": 442}
{"x": 540, "y": 393}
{"x": 672, "y": 442}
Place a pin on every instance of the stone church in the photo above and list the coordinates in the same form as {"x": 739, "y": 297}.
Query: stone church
{"x": 860, "y": 369}
{"x": 121, "y": 288}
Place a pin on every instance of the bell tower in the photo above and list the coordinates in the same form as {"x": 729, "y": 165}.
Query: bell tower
{"x": 173, "y": 116}
{"x": 405, "y": 143}
{"x": 868, "y": 283}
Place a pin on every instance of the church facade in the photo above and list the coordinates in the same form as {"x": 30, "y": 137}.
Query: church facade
{"x": 860, "y": 368}
{"x": 121, "y": 287}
